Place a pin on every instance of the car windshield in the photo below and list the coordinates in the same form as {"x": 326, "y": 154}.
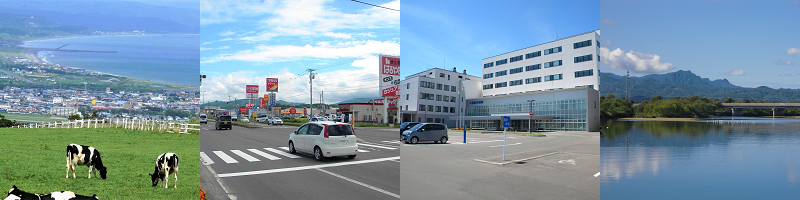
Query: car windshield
{"x": 408, "y": 125}
{"x": 339, "y": 130}
{"x": 225, "y": 118}
{"x": 202, "y": 116}
{"x": 415, "y": 127}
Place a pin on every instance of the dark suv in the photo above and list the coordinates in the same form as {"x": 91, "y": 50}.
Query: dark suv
{"x": 407, "y": 125}
{"x": 224, "y": 121}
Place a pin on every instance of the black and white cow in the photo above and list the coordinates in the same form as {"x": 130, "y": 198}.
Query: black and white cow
{"x": 17, "y": 194}
{"x": 165, "y": 164}
{"x": 84, "y": 155}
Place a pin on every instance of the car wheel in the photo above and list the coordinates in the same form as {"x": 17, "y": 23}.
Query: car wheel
{"x": 291, "y": 147}
{"x": 443, "y": 140}
{"x": 414, "y": 140}
{"x": 351, "y": 156}
{"x": 318, "y": 154}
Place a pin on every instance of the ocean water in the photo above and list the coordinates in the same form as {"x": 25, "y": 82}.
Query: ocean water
{"x": 173, "y": 58}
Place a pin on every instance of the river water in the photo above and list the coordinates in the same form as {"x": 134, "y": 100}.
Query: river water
{"x": 744, "y": 158}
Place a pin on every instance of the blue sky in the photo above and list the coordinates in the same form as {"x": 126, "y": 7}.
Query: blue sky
{"x": 245, "y": 42}
{"x": 750, "y": 43}
{"x": 449, "y": 33}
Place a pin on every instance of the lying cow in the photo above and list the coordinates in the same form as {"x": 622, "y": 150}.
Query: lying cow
{"x": 167, "y": 163}
{"x": 17, "y": 194}
{"x": 84, "y": 155}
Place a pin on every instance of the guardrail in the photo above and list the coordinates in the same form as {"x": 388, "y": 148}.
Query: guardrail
{"x": 124, "y": 123}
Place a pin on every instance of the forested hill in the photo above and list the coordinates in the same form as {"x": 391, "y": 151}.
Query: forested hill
{"x": 685, "y": 84}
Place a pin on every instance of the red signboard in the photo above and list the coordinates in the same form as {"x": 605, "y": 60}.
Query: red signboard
{"x": 243, "y": 111}
{"x": 272, "y": 84}
{"x": 261, "y": 103}
{"x": 391, "y": 66}
{"x": 305, "y": 112}
{"x": 252, "y": 89}
{"x": 392, "y": 102}
{"x": 392, "y": 91}
{"x": 292, "y": 110}
{"x": 248, "y": 105}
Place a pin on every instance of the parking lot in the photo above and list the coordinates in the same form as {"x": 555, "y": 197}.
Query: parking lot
{"x": 253, "y": 163}
{"x": 562, "y": 165}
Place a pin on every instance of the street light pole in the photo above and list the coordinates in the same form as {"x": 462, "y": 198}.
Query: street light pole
{"x": 530, "y": 121}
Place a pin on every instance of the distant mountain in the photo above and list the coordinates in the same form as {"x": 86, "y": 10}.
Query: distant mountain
{"x": 109, "y": 16}
{"x": 685, "y": 84}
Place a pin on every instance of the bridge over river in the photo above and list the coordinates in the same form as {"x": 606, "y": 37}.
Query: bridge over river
{"x": 777, "y": 108}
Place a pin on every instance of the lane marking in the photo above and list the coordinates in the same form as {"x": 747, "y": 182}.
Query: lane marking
{"x": 265, "y": 155}
{"x": 206, "y": 160}
{"x": 227, "y": 192}
{"x": 376, "y": 146}
{"x": 360, "y": 183}
{"x": 596, "y": 175}
{"x": 507, "y": 145}
{"x": 395, "y": 142}
{"x": 270, "y": 171}
{"x": 225, "y": 157}
{"x": 284, "y": 148}
{"x": 365, "y": 151}
{"x": 283, "y": 153}
{"x": 245, "y": 156}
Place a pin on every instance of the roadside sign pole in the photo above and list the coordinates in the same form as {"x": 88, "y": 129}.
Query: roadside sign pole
{"x": 506, "y": 125}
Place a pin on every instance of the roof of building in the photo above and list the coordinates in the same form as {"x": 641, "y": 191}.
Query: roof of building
{"x": 418, "y": 73}
{"x": 594, "y": 31}
{"x": 358, "y": 100}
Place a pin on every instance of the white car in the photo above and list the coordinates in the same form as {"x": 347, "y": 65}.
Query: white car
{"x": 275, "y": 121}
{"x": 324, "y": 139}
{"x": 317, "y": 119}
{"x": 262, "y": 118}
{"x": 245, "y": 120}
{"x": 203, "y": 118}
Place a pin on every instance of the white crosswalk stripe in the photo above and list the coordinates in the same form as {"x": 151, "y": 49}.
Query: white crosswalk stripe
{"x": 393, "y": 141}
{"x": 283, "y": 153}
{"x": 206, "y": 160}
{"x": 361, "y": 150}
{"x": 265, "y": 155}
{"x": 245, "y": 156}
{"x": 377, "y": 146}
{"x": 225, "y": 157}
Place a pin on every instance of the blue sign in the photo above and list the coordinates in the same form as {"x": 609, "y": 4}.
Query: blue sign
{"x": 506, "y": 122}
{"x": 254, "y": 107}
{"x": 271, "y": 103}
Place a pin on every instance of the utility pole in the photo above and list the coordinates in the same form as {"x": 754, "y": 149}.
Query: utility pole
{"x": 311, "y": 90}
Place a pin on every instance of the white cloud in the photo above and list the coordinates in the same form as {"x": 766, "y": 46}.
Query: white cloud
{"x": 794, "y": 3}
{"x": 793, "y": 51}
{"x": 226, "y": 33}
{"x": 735, "y": 72}
{"x": 633, "y": 61}
{"x": 280, "y": 53}
{"x": 606, "y": 21}
{"x": 338, "y": 85}
{"x": 222, "y": 11}
{"x": 783, "y": 62}
{"x": 218, "y": 48}
{"x": 792, "y": 74}
{"x": 215, "y": 41}
{"x": 607, "y": 42}
{"x": 337, "y": 35}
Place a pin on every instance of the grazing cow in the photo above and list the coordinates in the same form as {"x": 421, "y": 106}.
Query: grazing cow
{"x": 17, "y": 194}
{"x": 84, "y": 155}
{"x": 167, "y": 163}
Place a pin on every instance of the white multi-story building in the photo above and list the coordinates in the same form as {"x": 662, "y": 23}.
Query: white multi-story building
{"x": 551, "y": 86}
{"x": 436, "y": 94}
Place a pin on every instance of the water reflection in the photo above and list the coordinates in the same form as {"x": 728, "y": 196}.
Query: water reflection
{"x": 741, "y": 157}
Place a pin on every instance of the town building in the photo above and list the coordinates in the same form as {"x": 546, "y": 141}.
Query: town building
{"x": 554, "y": 85}
{"x": 365, "y": 110}
{"x": 435, "y": 95}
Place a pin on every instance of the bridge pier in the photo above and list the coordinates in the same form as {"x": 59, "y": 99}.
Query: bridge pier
{"x": 737, "y": 111}
{"x": 778, "y": 112}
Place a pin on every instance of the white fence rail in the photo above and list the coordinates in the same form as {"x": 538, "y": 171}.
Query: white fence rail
{"x": 125, "y": 123}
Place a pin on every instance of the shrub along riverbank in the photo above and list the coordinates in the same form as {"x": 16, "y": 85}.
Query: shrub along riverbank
{"x": 612, "y": 107}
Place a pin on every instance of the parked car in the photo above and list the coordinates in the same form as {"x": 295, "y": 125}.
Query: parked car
{"x": 234, "y": 118}
{"x": 275, "y": 121}
{"x": 434, "y": 132}
{"x": 317, "y": 119}
{"x": 262, "y": 118}
{"x": 204, "y": 118}
{"x": 224, "y": 121}
{"x": 324, "y": 139}
{"x": 245, "y": 120}
{"x": 406, "y": 125}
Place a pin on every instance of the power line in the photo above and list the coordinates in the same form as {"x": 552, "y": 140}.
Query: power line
{"x": 375, "y": 5}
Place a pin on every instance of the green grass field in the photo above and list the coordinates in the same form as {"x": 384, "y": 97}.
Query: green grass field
{"x": 23, "y": 118}
{"x": 35, "y": 161}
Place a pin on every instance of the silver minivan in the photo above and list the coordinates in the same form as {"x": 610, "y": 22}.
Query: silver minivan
{"x": 434, "y": 132}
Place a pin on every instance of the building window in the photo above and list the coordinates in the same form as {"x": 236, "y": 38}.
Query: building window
{"x": 426, "y": 84}
{"x": 407, "y": 96}
{"x": 500, "y": 62}
{"x": 441, "y": 75}
{"x": 446, "y": 87}
{"x": 430, "y": 108}
{"x": 489, "y": 75}
{"x": 552, "y": 64}
{"x": 516, "y": 70}
{"x": 533, "y": 67}
{"x": 422, "y": 95}
{"x": 406, "y": 107}
{"x": 533, "y": 80}
{"x": 446, "y": 98}
{"x": 533, "y": 55}
{"x": 501, "y": 73}
{"x": 452, "y": 99}
{"x": 489, "y": 86}
{"x": 517, "y": 82}
{"x": 516, "y": 58}
{"x": 453, "y": 110}
{"x": 584, "y": 73}
{"x": 582, "y": 44}
{"x": 598, "y": 44}
{"x": 408, "y": 85}
{"x": 439, "y": 97}
{"x": 421, "y": 107}
{"x": 487, "y": 65}
{"x": 453, "y": 88}
{"x": 552, "y": 50}
{"x": 583, "y": 58}
{"x": 499, "y": 85}
{"x": 439, "y": 86}
{"x": 430, "y": 120}
{"x": 553, "y": 77}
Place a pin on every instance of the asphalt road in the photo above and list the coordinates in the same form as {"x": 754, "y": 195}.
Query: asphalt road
{"x": 565, "y": 168}
{"x": 253, "y": 163}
